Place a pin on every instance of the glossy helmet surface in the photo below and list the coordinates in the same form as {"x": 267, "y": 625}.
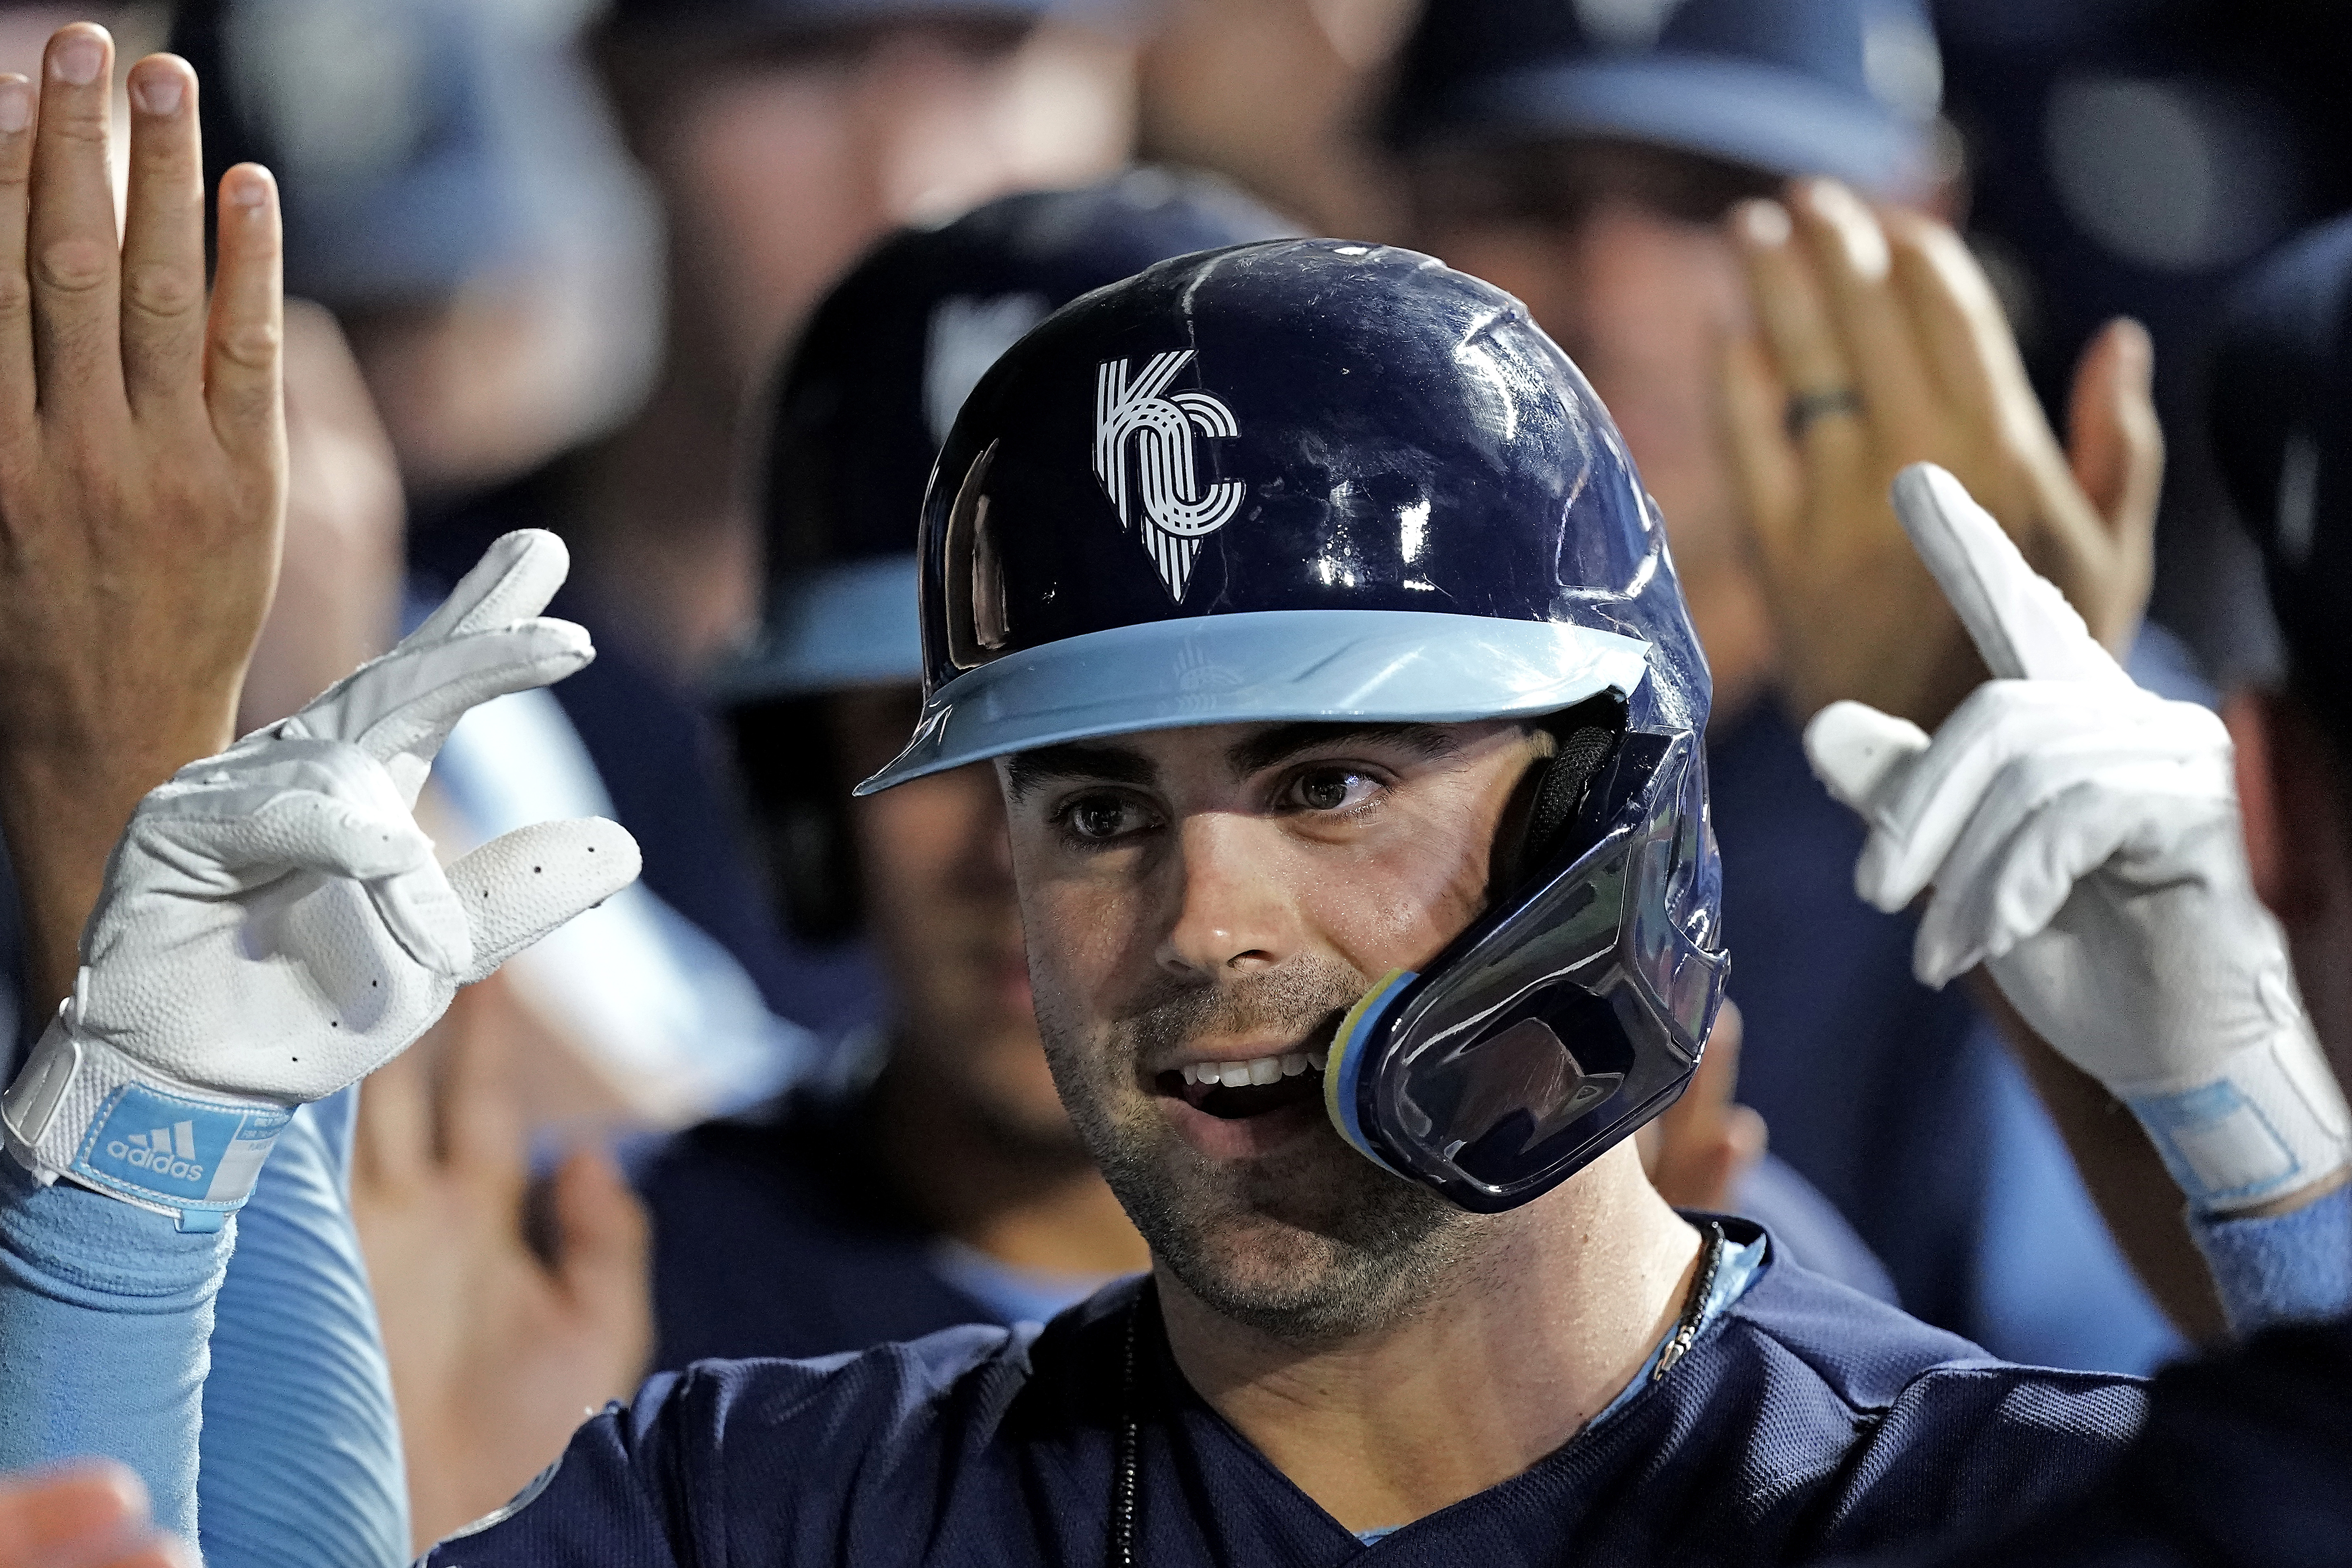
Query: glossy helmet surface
{"x": 874, "y": 381}
{"x": 1315, "y": 480}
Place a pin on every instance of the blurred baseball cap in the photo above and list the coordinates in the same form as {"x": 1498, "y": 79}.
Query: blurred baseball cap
{"x": 2280, "y": 381}
{"x": 419, "y": 143}
{"x": 879, "y": 375}
{"x": 1843, "y": 88}
{"x": 786, "y": 19}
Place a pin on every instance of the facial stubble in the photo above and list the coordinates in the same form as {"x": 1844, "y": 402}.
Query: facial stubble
{"x": 1311, "y": 1245}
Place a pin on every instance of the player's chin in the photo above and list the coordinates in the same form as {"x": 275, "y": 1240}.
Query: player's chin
{"x": 1327, "y": 1254}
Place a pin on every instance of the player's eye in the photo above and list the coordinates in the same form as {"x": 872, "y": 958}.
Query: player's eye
{"x": 1103, "y": 818}
{"x": 1331, "y": 789}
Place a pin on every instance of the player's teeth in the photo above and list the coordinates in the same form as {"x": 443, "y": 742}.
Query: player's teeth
{"x": 1257, "y": 1071}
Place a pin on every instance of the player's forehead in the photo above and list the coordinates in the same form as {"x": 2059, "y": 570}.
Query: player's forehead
{"x": 1233, "y": 750}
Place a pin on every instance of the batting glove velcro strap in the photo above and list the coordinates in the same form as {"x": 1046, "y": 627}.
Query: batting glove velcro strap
{"x": 2268, "y": 1122}
{"x": 83, "y": 1110}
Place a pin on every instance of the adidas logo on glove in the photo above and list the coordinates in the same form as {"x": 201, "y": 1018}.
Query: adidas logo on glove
{"x": 167, "y": 1152}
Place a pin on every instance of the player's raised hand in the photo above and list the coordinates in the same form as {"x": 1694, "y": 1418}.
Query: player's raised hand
{"x": 1877, "y": 343}
{"x": 142, "y": 465}
{"x": 274, "y": 925}
{"x": 2081, "y": 838}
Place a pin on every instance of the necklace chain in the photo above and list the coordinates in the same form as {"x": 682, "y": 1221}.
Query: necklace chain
{"x": 1122, "y": 1497}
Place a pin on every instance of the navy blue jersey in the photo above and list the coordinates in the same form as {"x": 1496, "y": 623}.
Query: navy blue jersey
{"x": 2245, "y": 1461}
{"x": 1806, "y": 1419}
{"x": 781, "y": 1235}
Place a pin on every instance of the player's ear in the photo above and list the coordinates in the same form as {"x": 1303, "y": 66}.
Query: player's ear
{"x": 2292, "y": 804}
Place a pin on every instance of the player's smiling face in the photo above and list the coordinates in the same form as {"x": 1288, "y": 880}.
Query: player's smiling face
{"x": 1202, "y": 906}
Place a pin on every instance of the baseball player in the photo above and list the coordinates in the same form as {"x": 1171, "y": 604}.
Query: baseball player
{"x": 1347, "y": 717}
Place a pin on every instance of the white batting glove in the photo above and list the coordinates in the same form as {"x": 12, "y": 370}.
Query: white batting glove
{"x": 2081, "y": 834}
{"x": 274, "y": 926}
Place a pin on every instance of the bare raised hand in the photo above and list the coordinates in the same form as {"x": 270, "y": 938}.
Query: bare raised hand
{"x": 498, "y": 1348}
{"x": 1878, "y": 343}
{"x": 1698, "y": 1150}
{"x": 142, "y": 466}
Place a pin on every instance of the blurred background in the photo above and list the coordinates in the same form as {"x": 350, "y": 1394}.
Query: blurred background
{"x": 562, "y": 250}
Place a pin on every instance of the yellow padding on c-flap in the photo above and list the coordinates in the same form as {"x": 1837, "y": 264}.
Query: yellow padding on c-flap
{"x": 1345, "y": 1046}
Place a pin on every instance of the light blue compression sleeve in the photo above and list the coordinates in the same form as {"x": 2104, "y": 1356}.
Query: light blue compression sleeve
{"x": 105, "y": 1313}
{"x": 301, "y": 1460}
{"x": 104, "y": 1310}
{"x": 2293, "y": 1267}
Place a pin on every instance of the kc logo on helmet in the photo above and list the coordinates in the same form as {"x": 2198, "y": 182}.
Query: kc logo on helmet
{"x": 1144, "y": 457}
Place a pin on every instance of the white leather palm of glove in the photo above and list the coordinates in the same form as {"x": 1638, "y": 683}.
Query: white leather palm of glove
{"x": 274, "y": 925}
{"x": 2082, "y": 838}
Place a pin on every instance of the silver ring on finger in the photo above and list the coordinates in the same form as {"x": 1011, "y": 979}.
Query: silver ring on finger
{"x": 1807, "y": 407}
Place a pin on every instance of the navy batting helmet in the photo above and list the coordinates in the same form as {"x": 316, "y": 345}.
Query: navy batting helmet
{"x": 1312, "y": 480}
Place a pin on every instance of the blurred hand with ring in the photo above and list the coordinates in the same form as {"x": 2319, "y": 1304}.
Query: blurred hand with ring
{"x": 1876, "y": 342}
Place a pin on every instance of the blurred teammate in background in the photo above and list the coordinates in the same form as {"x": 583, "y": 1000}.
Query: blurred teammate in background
{"x": 464, "y": 204}
{"x": 1586, "y": 158}
{"x": 780, "y": 138}
{"x": 934, "y": 1180}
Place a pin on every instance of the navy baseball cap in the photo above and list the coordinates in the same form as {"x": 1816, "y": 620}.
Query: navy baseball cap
{"x": 420, "y": 143}
{"x": 1843, "y": 88}
{"x": 785, "y": 18}
{"x": 2280, "y": 383}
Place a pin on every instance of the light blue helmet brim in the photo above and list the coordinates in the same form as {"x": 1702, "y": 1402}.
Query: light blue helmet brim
{"x": 1265, "y": 666}
{"x": 852, "y": 625}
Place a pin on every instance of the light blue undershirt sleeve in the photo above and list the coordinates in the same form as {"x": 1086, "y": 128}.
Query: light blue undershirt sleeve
{"x": 104, "y": 1310}
{"x": 300, "y": 1457}
{"x": 2293, "y": 1267}
{"x": 1013, "y": 1295}
{"x": 105, "y": 1314}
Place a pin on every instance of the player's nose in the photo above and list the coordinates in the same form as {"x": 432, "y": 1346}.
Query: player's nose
{"x": 1231, "y": 911}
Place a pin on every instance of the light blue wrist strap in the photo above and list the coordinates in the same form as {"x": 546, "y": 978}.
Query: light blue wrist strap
{"x": 169, "y": 1151}
{"x": 85, "y": 1111}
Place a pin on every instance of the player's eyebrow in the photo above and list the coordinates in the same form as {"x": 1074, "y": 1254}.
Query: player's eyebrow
{"x": 1284, "y": 742}
{"x": 1024, "y": 771}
